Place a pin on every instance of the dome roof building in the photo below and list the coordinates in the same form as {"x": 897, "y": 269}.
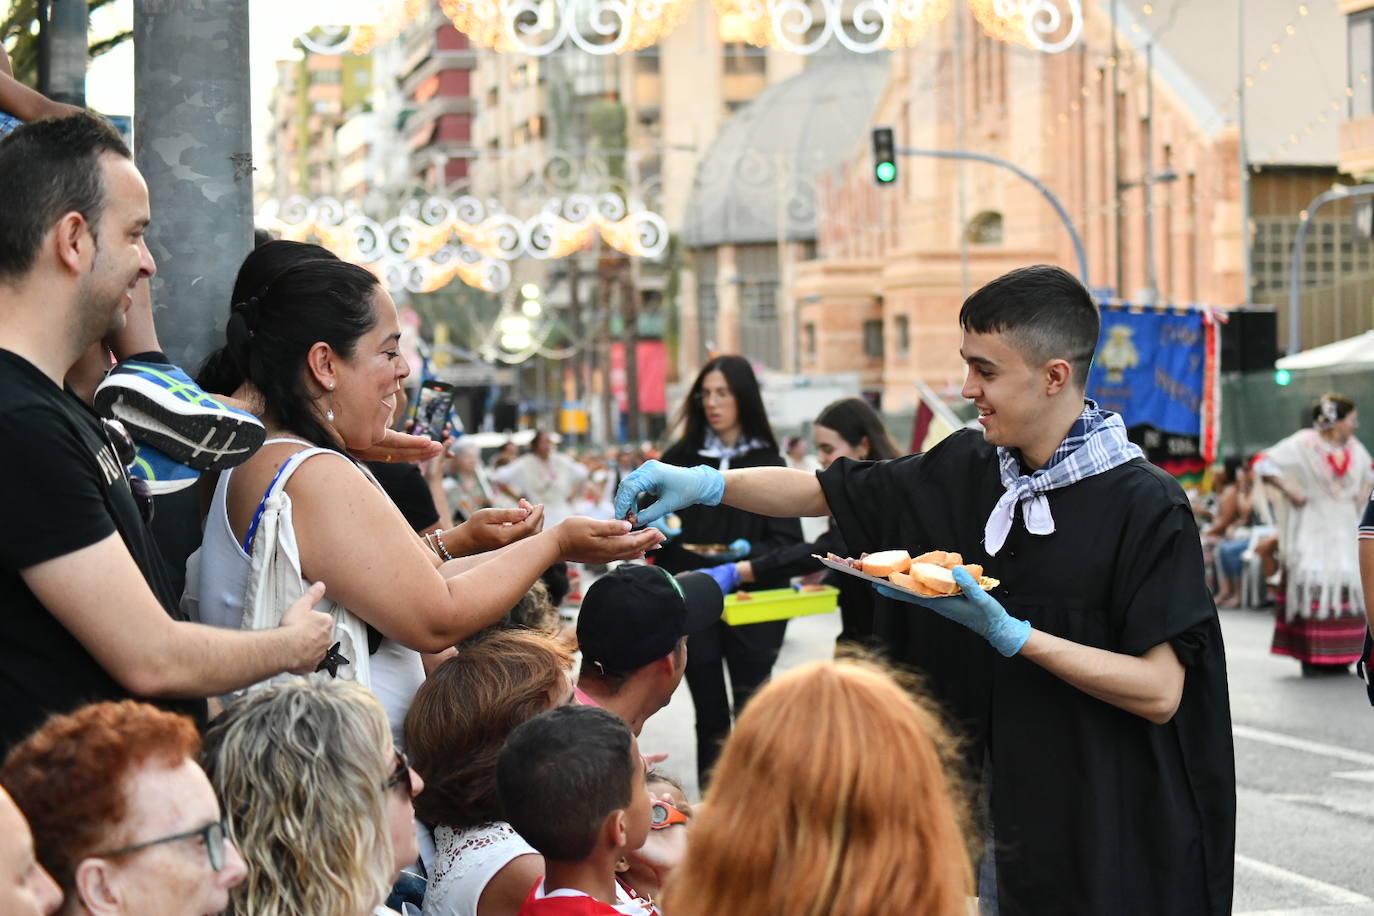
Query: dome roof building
{"x": 756, "y": 187}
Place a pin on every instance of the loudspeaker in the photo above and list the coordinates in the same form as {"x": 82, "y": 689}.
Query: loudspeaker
{"x": 505, "y": 416}
{"x": 1249, "y": 341}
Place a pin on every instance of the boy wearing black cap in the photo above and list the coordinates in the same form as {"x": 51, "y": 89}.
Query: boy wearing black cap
{"x": 572, "y": 784}
{"x": 632, "y": 630}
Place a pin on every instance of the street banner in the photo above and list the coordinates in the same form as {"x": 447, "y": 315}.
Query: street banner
{"x": 652, "y": 375}
{"x": 1158, "y": 368}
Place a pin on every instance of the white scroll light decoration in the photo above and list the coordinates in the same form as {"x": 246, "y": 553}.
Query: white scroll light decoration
{"x": 540, "y": 27}
{"x": 431, "y": 243}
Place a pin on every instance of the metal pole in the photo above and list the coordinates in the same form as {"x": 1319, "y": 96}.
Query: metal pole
{"x": 1151, "y": 277}
{"x": 1295, "y": 258}
{"x": 1242, "y": 157}
{"x": 1049, "y": 195}
{"x": 1115, "y": 61}
{"x": 193, "y": 144}
{"x": 960, "y": 134}
{"x": 62, "y": 70}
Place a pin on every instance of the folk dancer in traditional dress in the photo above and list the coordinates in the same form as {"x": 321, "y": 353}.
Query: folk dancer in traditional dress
{"x": 1325, "y": 473}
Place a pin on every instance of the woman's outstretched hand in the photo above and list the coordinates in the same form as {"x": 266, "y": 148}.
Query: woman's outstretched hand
{"x": 396, "y": 446}
{"x": 589, "y": 540}
{"x": 489, "y": 529}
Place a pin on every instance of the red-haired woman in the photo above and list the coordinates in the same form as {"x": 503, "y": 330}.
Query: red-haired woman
{"x": 831, "y": 799}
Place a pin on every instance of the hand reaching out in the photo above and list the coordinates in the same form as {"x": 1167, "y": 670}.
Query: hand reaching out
{"x": 588, "y": 540}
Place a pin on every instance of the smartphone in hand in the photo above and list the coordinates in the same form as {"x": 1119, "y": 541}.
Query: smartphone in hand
{"x": 433, "y": 409}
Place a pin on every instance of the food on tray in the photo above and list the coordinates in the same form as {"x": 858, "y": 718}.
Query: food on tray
{"x": 886, "y": 563}
{"x": 743, "y": 596}
{"x": 812, "y": 587}
{"x": 930, "y": 574}
{"x": 707, "y": 550}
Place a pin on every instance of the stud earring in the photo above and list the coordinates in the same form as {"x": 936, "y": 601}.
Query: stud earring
{"x": 331, "y": 386}
{"x": 329, "y": 415}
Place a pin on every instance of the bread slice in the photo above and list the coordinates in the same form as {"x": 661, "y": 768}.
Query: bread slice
{"x": 902, "y": 580}
{"x": 931, "y": 580}
{"x": 887, "y": 562}
{"x": 946, "y": 558}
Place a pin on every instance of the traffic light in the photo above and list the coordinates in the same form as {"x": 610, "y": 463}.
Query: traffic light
{"x": 884, "y": 156}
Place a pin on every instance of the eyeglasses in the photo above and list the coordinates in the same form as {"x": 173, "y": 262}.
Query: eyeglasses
{"x": 400, "y": 776}
{"x": 213, "y": 835}
{"x": 662, "y": 814}
{"x": 701, "y": 397}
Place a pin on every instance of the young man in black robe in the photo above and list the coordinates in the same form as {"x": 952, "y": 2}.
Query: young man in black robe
{"x": 1092, "y": 684}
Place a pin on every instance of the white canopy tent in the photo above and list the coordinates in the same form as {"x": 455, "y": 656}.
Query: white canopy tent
{"x": 1349, "y": 355}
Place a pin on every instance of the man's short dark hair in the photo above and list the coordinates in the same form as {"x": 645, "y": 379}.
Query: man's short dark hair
{"x": 561, "y": 773}
{"x": 49, "y": 168}
{"x": 1044, "y": 312}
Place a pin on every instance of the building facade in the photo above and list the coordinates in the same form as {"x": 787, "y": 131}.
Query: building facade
{"x": 1137, "y": 137}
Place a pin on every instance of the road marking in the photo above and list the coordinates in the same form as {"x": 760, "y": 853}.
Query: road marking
{"x": 1278, "y": 739}
{"x": 1331, "y": 892}
{"x": 1338, "y": 909}
{"x": 1356, "y": 775}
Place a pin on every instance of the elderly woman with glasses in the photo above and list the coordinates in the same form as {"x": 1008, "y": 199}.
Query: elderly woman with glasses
{"x": 123, "y": 817}
{"x": 316, "y": 796}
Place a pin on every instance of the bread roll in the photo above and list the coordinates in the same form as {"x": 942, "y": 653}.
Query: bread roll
{"x": 887, "y": 562}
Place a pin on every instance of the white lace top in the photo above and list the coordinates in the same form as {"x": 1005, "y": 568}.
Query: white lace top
{"x": 464, "y": 861}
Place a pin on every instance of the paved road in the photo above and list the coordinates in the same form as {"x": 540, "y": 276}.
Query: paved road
{"x": 1304, "y": 762}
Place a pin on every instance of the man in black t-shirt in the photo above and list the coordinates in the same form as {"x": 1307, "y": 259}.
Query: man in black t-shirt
{"x": 85, "y": 609}
{"x": 1092, "y": 687}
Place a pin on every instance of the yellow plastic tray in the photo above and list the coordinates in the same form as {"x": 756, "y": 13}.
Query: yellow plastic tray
{"x": 779, "y": 604}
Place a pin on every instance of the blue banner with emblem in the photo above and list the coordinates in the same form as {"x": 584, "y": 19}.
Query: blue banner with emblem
{"x": 1152, "y": 367}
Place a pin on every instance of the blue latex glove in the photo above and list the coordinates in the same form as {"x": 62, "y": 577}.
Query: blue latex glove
{"x": 662, "y": 525}
{"x": 739, "y": 549}
{"x": 726, "y": 576}
{"x": 975, "y": 609}
{"x": 674, "y": 487}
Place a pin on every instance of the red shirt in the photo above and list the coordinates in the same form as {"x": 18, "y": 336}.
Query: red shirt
{"x": 564, "y": 902}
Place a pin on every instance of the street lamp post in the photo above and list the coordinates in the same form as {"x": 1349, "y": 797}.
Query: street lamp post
{"x": 1049, "y": 195}
{"x": 1339, "y": 192}
{"x": 63, "y": 50}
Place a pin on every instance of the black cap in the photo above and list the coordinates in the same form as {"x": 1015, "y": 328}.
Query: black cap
{"x": 635, "y": 614}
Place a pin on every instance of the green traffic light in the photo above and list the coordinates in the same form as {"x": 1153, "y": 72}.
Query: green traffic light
{"x": 1282, "y": 377}
{"x": 886, "y": 172}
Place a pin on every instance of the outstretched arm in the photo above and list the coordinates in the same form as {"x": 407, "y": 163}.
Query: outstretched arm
{"x": 776, "y": 492}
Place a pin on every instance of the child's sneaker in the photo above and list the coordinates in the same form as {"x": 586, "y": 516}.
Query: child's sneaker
{"x": 163, "y": 408}
{"x": 160, "y": 473}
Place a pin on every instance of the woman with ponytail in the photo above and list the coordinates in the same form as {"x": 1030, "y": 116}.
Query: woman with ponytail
{"x": 312, "y": 343}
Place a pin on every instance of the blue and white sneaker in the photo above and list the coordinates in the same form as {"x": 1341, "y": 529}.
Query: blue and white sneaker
{"x": 160, "y": 473}
{"x": 162, "y": 407}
